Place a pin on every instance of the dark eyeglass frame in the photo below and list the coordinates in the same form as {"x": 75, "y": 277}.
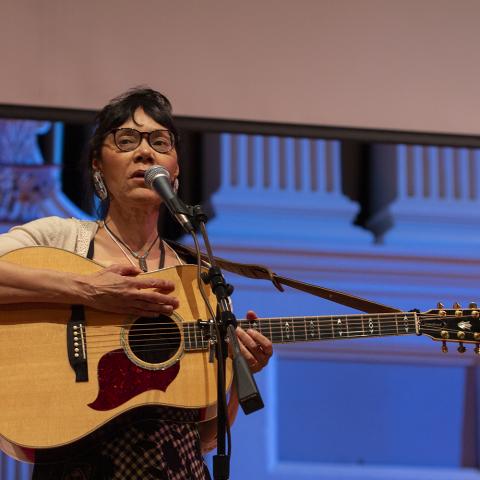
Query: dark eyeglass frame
{"x": 142, "y": 135}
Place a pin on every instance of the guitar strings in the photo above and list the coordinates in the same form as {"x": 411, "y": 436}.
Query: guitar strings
{"x": 166, "y": 342}
{"x": 262, "y": 323}
{"x": 291, "y": 320}
{"x": 274, "y": 330}
{"x": 193, "y": 329}
{"x": 169, "y": 336}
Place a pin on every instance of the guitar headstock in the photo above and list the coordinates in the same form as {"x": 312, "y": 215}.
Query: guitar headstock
{"x": 456, "y": 325}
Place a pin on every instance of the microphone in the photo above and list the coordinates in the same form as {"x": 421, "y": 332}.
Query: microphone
{"x": 158, "y": 179}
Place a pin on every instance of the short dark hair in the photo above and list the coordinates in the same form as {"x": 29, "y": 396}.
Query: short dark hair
{"x": 117, "y": 112}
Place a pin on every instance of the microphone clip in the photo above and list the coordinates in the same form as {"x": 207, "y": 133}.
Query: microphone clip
{"x": 196, "y": 215}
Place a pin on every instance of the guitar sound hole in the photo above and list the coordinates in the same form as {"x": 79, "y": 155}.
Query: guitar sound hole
{"x": 154, "y": 340}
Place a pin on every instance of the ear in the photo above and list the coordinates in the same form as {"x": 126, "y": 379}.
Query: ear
{"x": 96, "y": 165}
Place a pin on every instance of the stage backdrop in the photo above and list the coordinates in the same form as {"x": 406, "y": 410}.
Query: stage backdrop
{"x": 382, "y": 64}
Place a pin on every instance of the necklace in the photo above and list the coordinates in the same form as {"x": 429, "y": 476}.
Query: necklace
{"x": 142, "y": 258}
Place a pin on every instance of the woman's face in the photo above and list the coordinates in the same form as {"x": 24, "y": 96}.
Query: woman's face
{"x": 123, "y": 171}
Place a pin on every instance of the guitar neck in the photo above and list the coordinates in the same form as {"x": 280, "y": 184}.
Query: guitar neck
{"x": 314, "y": 329}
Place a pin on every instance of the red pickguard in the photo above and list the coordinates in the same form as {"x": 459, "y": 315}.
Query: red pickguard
{"x": 120, "y": 380}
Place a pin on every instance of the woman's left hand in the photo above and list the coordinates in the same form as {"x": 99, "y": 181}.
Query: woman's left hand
{"x": 256, "y": 348}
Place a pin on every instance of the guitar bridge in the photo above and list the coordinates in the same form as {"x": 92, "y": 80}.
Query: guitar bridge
{"x": 77, "y": 343}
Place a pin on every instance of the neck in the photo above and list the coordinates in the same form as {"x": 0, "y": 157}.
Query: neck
{"x": 314, "y": 329}
{"x": 135, "y": 226}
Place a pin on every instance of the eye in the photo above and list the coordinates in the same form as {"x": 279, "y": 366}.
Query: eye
{"x": 126, "y": 138}
{"x": 161, "y": 140}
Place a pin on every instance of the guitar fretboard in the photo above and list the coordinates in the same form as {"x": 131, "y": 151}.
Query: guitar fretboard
{"x": 314, "y": 329}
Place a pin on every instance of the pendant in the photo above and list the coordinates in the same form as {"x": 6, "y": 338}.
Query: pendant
{"x": 143, "y": 264}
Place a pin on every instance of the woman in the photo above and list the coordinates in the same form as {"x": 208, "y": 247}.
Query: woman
{"x": 134, "y": 132}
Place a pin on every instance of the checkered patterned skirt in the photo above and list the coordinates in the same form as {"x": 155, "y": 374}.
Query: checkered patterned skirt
{"x": 141, "y": 448}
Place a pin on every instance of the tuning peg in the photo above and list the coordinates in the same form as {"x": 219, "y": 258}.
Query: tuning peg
{"x": 472, "y": 305}
{"x": 461, "y": 348}
{"x": 477, "y": 349}
{"x": 456, "y": 306}
{"x": 440, "y": 305}
{"x": 444, "y": 347}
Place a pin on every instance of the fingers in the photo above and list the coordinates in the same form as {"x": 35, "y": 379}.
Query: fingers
{"x": 124, "y": 270}
{"x": 256, "y": 348}
{"x": 120, "y": 289}
{"x": 262, "y": 342}
{"x": 145, "y": 309}
{"x": 157, "y": 299}
{"x": 163, "y": 286}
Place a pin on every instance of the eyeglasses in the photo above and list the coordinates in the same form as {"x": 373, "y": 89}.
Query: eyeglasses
{"x": 128, "y": 139}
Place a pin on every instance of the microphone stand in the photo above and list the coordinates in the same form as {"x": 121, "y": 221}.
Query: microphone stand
{"x": 248, "y": 394}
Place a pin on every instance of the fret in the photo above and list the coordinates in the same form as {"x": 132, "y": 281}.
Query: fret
{"x": 339, "y": 331}
{"x": 270, "y": 327}
{"x": 371, "y": 326}
{"x": 333, "y": 327}
{"x": 305, "y": 329}
{"x": 277, "y": 334}
{"x": 318, "y": 328}
{"x": 363, "y": 324}
{"x": 202, "y": 340}
{"x": 187, "y": 335}
{"x": 195, "y": 335}
{"x": 355, "y": 327}
{"x": 190, "y": 334}
{"x": 396, "y": 323}
{"x": 311, "y": 329}
{"x": 287, "y": 336}
{"x": 379, "y": 326}
{"x": 300, "y": 330}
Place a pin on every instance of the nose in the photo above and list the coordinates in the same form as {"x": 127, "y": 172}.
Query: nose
{"x": 144, "y": 152}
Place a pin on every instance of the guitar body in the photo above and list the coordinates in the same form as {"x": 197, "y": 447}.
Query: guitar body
{"x": 43, "y": 406}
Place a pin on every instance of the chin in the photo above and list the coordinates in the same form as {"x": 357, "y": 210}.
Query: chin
{"x": 145, "y": 197}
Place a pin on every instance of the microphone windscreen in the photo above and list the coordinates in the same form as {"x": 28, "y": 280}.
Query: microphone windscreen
{"x": 154, "y": 172}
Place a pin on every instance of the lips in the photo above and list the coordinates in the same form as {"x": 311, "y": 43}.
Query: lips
{"x": 138, "y": 174}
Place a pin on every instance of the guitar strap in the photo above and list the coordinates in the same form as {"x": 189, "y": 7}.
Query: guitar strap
{"x": 260, "y": 272}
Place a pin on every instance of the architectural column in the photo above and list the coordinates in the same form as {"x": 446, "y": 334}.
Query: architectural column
{"x": 438, "y": 203}
{"x": 280, "y": 191}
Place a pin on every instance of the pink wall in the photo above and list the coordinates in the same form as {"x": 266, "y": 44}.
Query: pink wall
{"x": 409, "y": 64}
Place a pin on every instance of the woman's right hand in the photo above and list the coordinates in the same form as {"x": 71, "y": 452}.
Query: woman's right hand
{"x": 119, "y": 289}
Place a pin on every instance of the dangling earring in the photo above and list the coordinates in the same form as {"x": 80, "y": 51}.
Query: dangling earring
{"x": 175, "y": 185}
{"x": 99, "y": 185}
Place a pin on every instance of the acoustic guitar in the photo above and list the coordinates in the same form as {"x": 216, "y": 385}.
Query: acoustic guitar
{"x": 68, "y": 370}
